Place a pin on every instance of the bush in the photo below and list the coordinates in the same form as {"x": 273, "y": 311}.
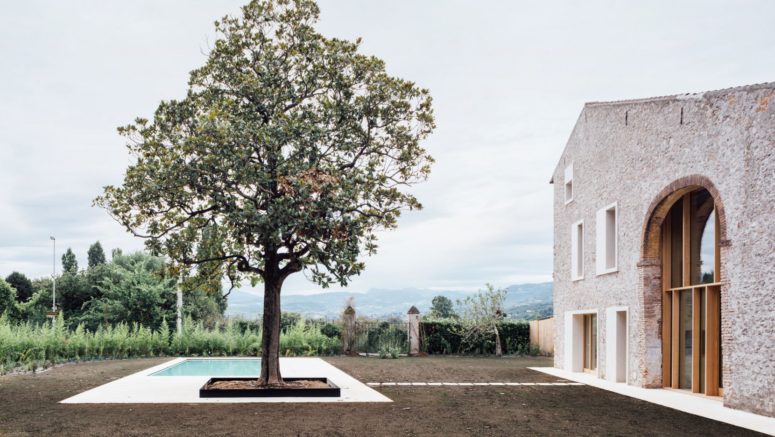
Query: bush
{"x": 331, "y": 330}
{"x": 389, "y": 352}
{"x": 445, "y": 337}
{"x": 441, "y": 336}
{"x": 305, "y": 339}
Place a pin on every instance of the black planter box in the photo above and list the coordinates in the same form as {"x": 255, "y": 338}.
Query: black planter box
{"x": 279, "y": 392}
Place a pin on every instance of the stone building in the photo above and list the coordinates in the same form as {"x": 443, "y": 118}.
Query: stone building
{"x": 664, "y": 245}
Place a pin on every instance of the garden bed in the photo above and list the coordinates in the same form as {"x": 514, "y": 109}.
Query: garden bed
{"x": 250, "y": 387}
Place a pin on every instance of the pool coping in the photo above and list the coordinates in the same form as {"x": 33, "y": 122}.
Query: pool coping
{"x": 142, "y": 388}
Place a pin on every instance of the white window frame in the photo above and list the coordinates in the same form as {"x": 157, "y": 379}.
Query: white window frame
{"x": 601, "y": 240}
{"x": 577, "y": 251}
{"x": 568, "y": 179}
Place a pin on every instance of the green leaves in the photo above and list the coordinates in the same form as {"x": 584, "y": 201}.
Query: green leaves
{"x": 288, "y": 152}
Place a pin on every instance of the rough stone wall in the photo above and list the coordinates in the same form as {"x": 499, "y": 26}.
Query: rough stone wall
{"x": 630, "y": 152}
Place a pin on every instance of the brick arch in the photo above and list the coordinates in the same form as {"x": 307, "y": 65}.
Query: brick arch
{"x": 649, "y": 329}
{"x": 660, "y": 206}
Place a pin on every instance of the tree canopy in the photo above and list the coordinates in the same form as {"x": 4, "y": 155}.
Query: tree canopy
{"x": 21, "y": 284}
{"x": 7, "y": 299}
{"x": 442, "y": 308}
{"x": 289, "y": 150}
{"x": 96, "y": 255}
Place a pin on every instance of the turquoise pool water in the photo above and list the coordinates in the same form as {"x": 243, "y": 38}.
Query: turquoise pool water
{"x": 213, "y": 367}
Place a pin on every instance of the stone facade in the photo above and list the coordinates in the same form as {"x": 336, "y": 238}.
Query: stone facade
{"x": 640, "y": 154}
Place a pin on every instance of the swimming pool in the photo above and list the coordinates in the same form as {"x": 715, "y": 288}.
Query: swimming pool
{"x": 213, "y": 367}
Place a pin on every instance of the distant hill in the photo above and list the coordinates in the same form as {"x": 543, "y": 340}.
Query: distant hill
{"x": 523, "y": 301}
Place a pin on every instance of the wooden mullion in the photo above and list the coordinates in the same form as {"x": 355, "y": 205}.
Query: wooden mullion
{"x": 696, "y": 331}
{"x": 675, "y": 350}
{"x": 691, "y": 287}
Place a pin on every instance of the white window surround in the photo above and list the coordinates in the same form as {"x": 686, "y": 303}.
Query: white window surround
{"x": 607, "y": 240}
{"x": 577, "y": 250}
{"x": 568, "y": 184}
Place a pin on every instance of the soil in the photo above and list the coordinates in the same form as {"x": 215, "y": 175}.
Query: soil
{"x": 255, "y": 384}
{"x": 29, "y": 405}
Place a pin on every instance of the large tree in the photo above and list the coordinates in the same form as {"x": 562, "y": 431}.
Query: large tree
{"x": 289, "y": 151}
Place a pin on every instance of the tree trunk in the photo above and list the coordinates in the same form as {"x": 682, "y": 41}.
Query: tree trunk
{"x": 270, "y": 338}
{"x": 498, "y": 349}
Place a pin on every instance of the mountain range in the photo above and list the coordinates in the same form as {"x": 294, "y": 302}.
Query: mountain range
{"x": 523, "y": 301}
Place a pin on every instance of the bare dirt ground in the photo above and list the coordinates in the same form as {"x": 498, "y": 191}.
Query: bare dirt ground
{"x": 29, "y": 405}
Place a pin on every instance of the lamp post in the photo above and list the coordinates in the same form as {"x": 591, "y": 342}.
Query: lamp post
{"x": 54, "y": 276}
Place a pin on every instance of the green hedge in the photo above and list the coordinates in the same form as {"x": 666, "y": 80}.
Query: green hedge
{"x": 446, "y": 337}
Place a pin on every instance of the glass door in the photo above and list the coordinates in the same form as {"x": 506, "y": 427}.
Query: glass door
{"x": 691, "y": 305}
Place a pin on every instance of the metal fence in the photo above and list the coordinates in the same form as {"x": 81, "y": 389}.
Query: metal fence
{"x": 381, "y": 337}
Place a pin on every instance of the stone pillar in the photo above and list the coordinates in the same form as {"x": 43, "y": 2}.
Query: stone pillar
{"x": 413, "y": 319}
{"x": 348, "y": 331}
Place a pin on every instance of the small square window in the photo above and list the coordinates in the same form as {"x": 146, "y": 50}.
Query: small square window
{"x": 568, "y": 183}
{"x": 606, "y": 227}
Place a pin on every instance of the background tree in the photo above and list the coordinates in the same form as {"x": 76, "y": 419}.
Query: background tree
{"x": 135, "y": 291}
{"x": 7, "y": 300}
{"x": 73, "y": 291}
{"x": 35, "y": 309}
{"x": 96, "y": 255}
{"x": 442, "y": 308}
{"x": 481, "y": 314}
{"x": 21, "y": 284}
{"x": 289, "y": 151}
{"x": 69, "y": 262}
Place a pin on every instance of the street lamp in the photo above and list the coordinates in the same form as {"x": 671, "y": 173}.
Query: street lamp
{"x": 54, "y": 276}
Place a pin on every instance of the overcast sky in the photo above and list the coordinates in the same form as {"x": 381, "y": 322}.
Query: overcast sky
{"x": 508, "y": 80}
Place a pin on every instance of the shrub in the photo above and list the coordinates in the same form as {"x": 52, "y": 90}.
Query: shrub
{"x": 445, "y": 337}
{"x": 331, "y": 330}
{"x": 389, "y": 352}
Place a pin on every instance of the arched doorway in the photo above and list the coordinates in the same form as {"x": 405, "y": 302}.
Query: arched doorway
{"x": 691, "y": 294}
{"x": 661, "y": 283}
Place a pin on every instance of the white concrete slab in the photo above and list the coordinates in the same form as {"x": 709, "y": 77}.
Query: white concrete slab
{"x": 141, "y": 388}
{"x": 703, "y": 406}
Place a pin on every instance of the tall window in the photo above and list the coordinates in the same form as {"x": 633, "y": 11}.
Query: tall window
{"x": 691, "y": 301}
{"x": 577, "y": 250}
{"x": 568, "y": 183}
{"x": 606, "y": 250}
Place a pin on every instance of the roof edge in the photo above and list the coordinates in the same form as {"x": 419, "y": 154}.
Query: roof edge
{"x": 686, "y": 96}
